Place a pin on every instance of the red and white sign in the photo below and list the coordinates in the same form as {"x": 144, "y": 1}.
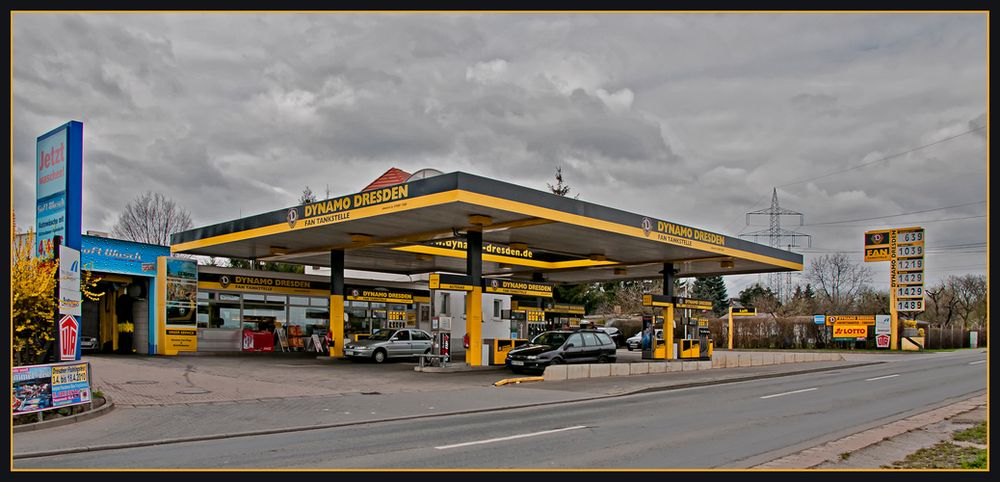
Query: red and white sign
{"x": 882, "y": 341}
{"x": 69, "y": 333}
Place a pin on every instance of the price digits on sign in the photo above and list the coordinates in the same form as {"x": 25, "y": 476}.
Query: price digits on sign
{"x": 910, "y": 278}
{"x": 910, "y": 291}
{"x": 910, "y": 305}
{"x": 909, "y": 251}
{"x": 911, "y": 237}
{"x": 910, "y": 264}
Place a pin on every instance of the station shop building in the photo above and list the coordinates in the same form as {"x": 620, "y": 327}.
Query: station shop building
{"x": 240, "y": 310}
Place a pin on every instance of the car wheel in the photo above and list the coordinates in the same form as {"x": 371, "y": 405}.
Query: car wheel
{"x": 379, "y": 356}
{"x": 556, "y": 361}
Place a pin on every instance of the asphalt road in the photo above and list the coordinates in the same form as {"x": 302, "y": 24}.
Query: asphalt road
{"x": 729, "y": 425}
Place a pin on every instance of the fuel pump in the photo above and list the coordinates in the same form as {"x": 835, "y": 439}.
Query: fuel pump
{"x": 697, "y": 341}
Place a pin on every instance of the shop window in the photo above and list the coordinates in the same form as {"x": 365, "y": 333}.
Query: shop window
{"x": 219, "y": 313}
{"x": 273, "y": 311}
{"x": 298, "y": 300}
{"x": 497, "y": 306}
{"x": 324, "y": 302}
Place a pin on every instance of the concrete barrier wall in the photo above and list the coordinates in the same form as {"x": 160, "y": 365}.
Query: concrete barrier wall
{"x": 724, "y": 359}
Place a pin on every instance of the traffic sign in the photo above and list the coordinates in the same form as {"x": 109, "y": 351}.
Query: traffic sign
{"x": 819, "y": 319}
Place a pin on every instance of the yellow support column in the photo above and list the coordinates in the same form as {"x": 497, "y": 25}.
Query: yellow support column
{"x": 668, "y": 331}
{"x": 337, "y": 325}
{"x": 731, "y": 332}
{"x": 337, "y": 303}
{"x": 474, "y": 326}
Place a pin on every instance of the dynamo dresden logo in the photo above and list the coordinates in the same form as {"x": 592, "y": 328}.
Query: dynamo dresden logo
{"x": 647, "y": 226}
{"x": 877, "y": 238}
{"x": 293, "y": 215}
{"x": 224, "y": 281}
{"x": 495, "y": 283}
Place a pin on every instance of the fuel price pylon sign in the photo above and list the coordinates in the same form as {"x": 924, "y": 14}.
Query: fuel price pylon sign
{"x": 903, "y": 248}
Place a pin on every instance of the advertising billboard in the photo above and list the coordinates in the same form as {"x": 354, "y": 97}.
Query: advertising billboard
{"x": 58, "y": 187}
{"x": 177, "y": 296}
{"x": 35, "y": 388}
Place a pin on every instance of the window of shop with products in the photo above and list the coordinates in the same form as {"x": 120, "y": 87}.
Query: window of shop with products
{"x": 263, "y": 322}
{"x": 365, "y": 318}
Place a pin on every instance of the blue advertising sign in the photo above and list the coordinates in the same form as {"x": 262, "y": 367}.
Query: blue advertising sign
{"x": 58, "y": 187}
{"x": 108, "y": 255}
{"x": 819, "y": 319}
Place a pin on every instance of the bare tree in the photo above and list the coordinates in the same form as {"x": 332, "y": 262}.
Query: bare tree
{"x": 970, "y": 293}
{"x": 308, "y": 196}
{"x": 151, "y": 218}
{"x": 560, "y": 189}
{"x": 626, "y": 296}
{"x": 838, "y": 279}
{"x": 941, "y": 304}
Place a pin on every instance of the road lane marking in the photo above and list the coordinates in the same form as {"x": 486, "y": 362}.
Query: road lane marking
{"x": 977, "y": 362}
{"x": 512, "y": 437}
{"x": 880, "y": 378}
{"x": 789, "y": 393}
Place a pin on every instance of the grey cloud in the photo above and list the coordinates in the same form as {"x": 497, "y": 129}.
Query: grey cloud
{"x": 239, "y": 112}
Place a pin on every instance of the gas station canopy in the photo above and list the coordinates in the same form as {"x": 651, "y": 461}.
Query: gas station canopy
{"x": 418, "y": 227}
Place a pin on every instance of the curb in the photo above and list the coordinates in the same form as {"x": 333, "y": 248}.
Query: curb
{"x": 89, "y": 414}
{"x": 95, "y": 448}
{"x": 817, "y": 455}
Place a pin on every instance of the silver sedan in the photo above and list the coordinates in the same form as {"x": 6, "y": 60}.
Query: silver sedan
{"x": 402, "y": 343}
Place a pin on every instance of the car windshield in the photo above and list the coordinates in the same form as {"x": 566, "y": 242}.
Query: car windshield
{"x": 550, "y": 339}
{"x": 382, "y": 335}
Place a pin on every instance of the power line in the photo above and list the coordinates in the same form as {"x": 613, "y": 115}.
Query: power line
{"x": 885, "y": 158}
{"x": 900, "y": 214}
{"x": 915, "y": 221}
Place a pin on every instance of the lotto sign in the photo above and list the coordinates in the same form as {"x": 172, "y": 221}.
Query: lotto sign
{"x": 850, "y": 331}
{"x": 910, "y": 292}
{"x": 69, "y": 338}
{"x": 910, "y": 305}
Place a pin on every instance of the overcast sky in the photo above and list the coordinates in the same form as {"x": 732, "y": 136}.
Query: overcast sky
{"x": 691, "y": 118}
